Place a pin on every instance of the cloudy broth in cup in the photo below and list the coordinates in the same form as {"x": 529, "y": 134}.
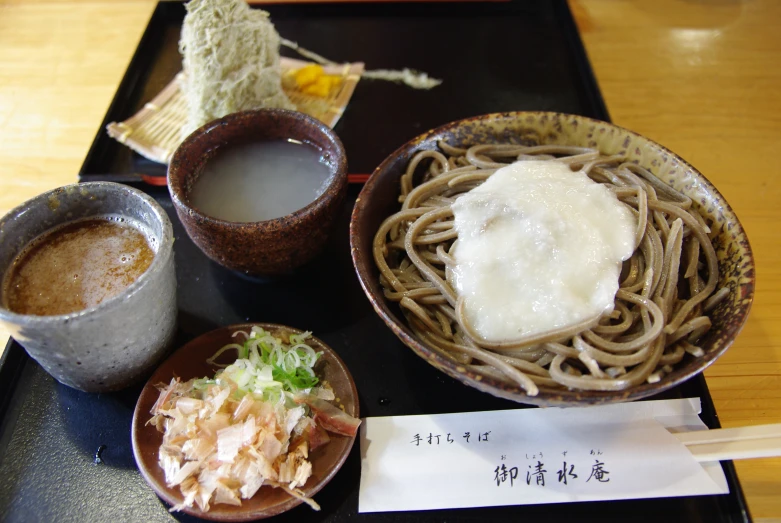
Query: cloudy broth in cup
{"x": 76, "y": 266}
{"x": 260, "y": 181}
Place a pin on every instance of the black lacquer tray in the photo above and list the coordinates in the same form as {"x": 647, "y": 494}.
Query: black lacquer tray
{"x": 520, "y": 55}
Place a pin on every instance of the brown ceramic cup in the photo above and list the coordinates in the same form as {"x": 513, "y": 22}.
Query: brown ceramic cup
{"x": 269, "y": 247}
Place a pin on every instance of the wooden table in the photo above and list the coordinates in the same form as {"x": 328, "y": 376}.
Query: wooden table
{"x": 702, "y": 78}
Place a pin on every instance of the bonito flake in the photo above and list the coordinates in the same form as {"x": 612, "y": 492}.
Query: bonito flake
{"x": 221, "y": 449}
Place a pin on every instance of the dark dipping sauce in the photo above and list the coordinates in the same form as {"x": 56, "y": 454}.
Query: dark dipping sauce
{"x": 75, "y": 267}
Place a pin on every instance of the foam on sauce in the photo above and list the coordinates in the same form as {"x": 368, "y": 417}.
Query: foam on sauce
{"x": 76, "y": 266}
{"x": 539, "y": 247}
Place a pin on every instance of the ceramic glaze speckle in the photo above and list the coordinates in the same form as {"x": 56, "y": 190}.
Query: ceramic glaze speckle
{"x": 379, "y": 199}
{"x": 114, "y": 344}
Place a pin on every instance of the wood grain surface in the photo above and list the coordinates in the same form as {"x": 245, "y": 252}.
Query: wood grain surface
{"x": 701, "y": 77}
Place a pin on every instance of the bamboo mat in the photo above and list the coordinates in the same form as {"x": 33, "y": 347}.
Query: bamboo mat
{"x": 155, "y": 131}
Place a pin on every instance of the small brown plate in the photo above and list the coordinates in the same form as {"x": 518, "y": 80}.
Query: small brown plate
{"x": 190, "y": 362}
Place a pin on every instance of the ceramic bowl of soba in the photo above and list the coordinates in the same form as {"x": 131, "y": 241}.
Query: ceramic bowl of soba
{"x": 552, "y": 259}
{"x": 258, "y": 191}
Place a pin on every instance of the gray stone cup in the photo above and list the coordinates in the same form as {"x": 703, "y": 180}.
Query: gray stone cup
{"x": 117, "y": 342}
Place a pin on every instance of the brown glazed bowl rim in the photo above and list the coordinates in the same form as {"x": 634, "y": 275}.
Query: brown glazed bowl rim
{"x": 367, "y": 274}
{"x": 338, "y": 166}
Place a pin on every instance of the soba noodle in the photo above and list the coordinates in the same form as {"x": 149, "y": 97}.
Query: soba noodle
{"x": 666, "y": 287}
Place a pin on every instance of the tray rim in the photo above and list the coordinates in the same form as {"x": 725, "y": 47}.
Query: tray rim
{"x": 14, "y": 358}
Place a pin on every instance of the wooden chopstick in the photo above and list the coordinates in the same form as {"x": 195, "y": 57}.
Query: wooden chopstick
{"x": 759, "y": 441}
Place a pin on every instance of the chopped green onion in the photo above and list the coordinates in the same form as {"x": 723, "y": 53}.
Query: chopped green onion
{"x": 267, "y": 366}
